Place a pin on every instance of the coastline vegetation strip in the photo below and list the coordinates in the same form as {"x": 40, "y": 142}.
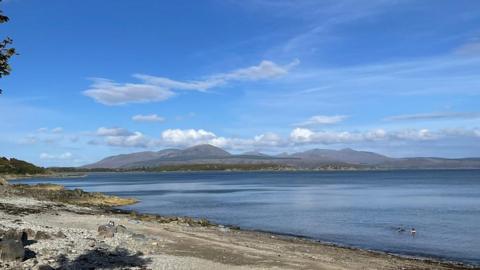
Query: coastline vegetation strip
{"x": 58, "y": 193}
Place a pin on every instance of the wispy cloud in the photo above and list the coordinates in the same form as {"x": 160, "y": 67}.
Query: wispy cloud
{"x": 147, "y": 118}
{"x": 108, "y": 92}
{"x": 434, "y": 116}
{"x": 113, "y": 131}
{"x": 115, "y": 136}
{"x": 308, "y": 136}
{"x": 469, "y": 49}
{"x": 153, "y": 88}
{"x": 63, "y": 156}
{"x": 322, "y": 120}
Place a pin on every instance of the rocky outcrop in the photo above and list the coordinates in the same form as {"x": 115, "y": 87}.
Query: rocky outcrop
{"x": 11, "y": 250}
{"x": 58, "y": 193}
{"x": 107, "y": 231}
{"x": 3, "y": 182}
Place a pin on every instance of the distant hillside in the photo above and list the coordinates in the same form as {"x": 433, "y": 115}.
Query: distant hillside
{"x": 203, "y": 155}
{"x": 346, "y": 155}
{"x": 125, "y": 160}
{"x": 16, "y": 166}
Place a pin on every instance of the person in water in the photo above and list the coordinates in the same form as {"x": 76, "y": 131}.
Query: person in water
{"x": 413, "y": 231}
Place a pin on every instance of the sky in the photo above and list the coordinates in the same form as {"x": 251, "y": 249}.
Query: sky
{"x": 99, "y": 78}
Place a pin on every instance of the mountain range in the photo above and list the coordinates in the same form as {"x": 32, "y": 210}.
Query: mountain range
{"x": 311, "y": 159}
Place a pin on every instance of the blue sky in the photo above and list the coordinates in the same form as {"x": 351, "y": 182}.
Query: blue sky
{"x": 96, "y": 78}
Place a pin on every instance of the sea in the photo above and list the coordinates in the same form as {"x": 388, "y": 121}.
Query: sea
{"x": 373, "y": 210}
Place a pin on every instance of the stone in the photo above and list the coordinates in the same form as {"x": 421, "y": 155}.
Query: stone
{"x": 42, "y": 235}
{"x": 11, "y": 250}
{"x": 139, "y": 237}
{"x": 19, "y": 236}
{"x": 3, "y": 182}
{"x": 44, "y": 267}
{"x": 30, "y": 233}
{"x": 121, "y": 229}
{"x": 106, "y": 231}
{"x": 92, "y": 242}
{"x": 60, "y": 234}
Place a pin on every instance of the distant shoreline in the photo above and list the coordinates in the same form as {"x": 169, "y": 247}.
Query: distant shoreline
{"x": 85, "y": 173}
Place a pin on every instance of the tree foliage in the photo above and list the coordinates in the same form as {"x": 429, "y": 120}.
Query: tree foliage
{"x": 16, "y": 166}
{"x": 6, "y": 52}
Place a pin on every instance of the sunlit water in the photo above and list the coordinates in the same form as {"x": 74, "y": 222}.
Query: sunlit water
{"x": 361, "y": 209}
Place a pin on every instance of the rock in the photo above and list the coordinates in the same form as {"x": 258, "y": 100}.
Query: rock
{"x": 3, "y": 182}
{"x": 106, "y": 231}
{"x": 223, "y": 229}
{"x": 60, "y": 234}
{"x": 42, "y": 235}
{"x": 139, "y": 237}
{"x": 44, "y": 267}
{"x": 91, "y": 243}
{"x": 30, "y": 233}
{"x": 19, "y": 236}
{"x": 11, "y": 250}
{"x": 121, "y": 229}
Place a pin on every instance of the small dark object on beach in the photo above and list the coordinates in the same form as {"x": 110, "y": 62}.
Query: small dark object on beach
{"x": 45, "y": 267}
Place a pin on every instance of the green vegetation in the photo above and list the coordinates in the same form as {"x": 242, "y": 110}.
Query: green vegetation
{"x": 6, "y": 52}
{"x": 219, "y": 167}
{"x": 15, "y": 166}
{"x": 181, "y": 167}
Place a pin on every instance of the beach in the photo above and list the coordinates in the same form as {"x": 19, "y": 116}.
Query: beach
{"x": 66, "y": 236}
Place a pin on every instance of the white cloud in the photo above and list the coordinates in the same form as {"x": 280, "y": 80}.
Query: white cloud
{"x": 136, "y": 139}
{"x": 302, "y": 135}
{"x": 187, "y": 137}
{"x": 120, "y": 137}
{"x": 147, "y": 118}
{"x": 116, "y": 136}
{"x": 64, "y": 156}
{"x": 190, "y": 137}
{"x": 154, "y": 88}
{"x": 57, "y": 130}
{"x": 434, "y": 116}
{"x": 322, "y": 120}
{"x": 47, "y": 130}
{"x": 110, "y": 93}
{"x": 115, "y": 131}
{"x": 307, "y": 136}
{"x": 264, "y": 70}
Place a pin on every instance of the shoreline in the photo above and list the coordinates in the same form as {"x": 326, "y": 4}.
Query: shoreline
{"x": 82, "y": 174}
{"x": 232, "y": 235}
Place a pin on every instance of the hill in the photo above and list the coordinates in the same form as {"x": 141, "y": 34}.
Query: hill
{"x": 311, "y": 159}
{"x": 16, "y": 166}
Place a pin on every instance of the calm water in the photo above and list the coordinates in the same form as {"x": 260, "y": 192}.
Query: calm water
{"x": 362, "y": 209}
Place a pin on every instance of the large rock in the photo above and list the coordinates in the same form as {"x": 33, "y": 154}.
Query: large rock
{"x": 11, "y": 250}
{"x": 121, "y": 229}
{"x": 106, "y": 231}
{"x": 3, "y": 181}
{"x": 16, "y": 235}
{"x": 42, "y": 235}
